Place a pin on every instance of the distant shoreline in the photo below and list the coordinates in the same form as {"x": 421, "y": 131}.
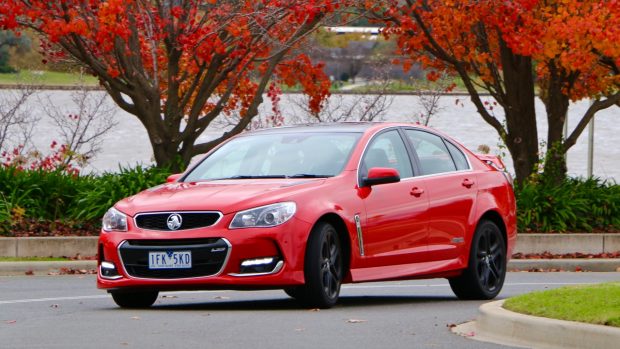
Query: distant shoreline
{"x": 98, "y": 88}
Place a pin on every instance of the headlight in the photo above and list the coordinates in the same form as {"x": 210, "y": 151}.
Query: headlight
{"x": 264, "y": 216}
{"x": 114, "y": 220}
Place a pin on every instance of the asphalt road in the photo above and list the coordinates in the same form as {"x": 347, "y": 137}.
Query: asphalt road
{"x": 68, "y": 312}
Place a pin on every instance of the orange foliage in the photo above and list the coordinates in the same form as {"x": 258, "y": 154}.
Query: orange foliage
{"x": 125, "y": 38}
{"x": 571, "y": 35}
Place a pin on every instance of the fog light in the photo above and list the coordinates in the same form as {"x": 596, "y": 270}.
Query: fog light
{"x": 258, "y": 265}
{"x": 256, "y": 262}
{"x": 108, "y": 271}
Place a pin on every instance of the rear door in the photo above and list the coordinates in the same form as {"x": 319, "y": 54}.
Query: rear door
{"x": 452, "y": 191}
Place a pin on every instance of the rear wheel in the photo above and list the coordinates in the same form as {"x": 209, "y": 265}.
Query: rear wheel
{"x": 486, "y": 270}
{"x": 323, "y": 269}
{"x": 135, "y": 299}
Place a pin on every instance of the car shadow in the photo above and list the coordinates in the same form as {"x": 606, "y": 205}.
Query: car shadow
{"x": 291, "y": 304}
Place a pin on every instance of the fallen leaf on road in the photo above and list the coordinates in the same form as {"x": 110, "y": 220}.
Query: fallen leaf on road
{"x": 356, "y": 321}
{"x": 29, "y": 272}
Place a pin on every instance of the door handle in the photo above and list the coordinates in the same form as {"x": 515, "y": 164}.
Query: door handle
{"x": 468, "y": 183}
{"x": 415, "y": 191}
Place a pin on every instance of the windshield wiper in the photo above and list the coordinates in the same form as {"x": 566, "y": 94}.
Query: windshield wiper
{"x": 307, "y": 175}
{"x": 249, "y": 177}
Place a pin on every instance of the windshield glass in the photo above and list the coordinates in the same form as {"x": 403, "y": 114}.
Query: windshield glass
{"x": 285, "y": 155}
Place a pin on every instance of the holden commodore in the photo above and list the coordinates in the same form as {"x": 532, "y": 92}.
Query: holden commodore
{"x": 308, "y": 208}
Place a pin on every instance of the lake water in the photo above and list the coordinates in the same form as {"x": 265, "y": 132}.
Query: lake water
{"x": 127, "y": 144}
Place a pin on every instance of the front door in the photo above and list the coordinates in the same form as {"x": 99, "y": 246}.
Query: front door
{"x": 395, "y": 227}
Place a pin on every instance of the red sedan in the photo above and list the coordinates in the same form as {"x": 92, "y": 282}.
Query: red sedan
{"x": 308, "y": 208}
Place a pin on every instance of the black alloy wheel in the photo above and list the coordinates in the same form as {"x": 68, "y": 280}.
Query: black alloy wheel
{"x": 486, "y": 271}
{"x": 323, "y": 268}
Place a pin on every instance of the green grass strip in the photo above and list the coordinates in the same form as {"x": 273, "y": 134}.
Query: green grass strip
{"x": 595, "y": 304}
{"x": 46, "y": 78}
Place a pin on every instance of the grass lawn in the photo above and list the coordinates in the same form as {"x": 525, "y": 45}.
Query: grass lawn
{"x": 32, "y": 259}
{"x": 400, "y": 86}
{"x": 595, "y": 304}
{"x": 42, "y": 77}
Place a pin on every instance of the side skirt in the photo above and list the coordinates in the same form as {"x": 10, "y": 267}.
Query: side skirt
{"x": 434, "y": 269}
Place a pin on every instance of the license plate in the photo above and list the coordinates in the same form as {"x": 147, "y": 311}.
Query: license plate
{"x": 170, "y": 260}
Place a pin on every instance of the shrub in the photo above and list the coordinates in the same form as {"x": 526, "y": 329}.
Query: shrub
{"x": 109, "y": 188}
{"x": 573, "y": 205}
{"x": 38, "y": 193}
{"x": 57, "y": 195}
{"x": 28, "y": 196}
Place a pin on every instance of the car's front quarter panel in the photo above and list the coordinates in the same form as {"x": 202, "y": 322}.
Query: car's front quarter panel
{"x": 286, "y": 241}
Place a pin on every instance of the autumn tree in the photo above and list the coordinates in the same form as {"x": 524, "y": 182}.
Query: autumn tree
{"x": 567, "y": 50}
{"x": 178, "y": 64}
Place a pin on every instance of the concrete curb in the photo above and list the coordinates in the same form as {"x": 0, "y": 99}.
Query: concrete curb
{"x": 69, "y": 246}
{"x": 579, "y": 264}
{"x": 567, "y": 243}
{"x": 43, "y": 268}
{"x": 526, "y": 243}
{"x": 498, "y": 325}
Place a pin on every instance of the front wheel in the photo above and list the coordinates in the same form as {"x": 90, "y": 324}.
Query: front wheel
{"x": 323, "y": 268}
{"x": 135, "y": 299}
{"x": 484, "y": 277}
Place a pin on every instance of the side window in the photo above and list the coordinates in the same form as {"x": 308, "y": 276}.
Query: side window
{"x": 459, "y": 158}
{"x": 432, "y": 151}
{"x": 387, "y": 150}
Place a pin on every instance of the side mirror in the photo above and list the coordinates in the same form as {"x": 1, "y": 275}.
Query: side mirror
{"x": 381, "y": 175}
{"x": 173, "y": 177}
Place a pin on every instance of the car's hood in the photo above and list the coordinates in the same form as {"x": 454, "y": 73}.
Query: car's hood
{"x": 223, "y": 195}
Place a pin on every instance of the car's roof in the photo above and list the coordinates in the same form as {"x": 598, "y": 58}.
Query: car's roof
{"x": 359, "y": 127}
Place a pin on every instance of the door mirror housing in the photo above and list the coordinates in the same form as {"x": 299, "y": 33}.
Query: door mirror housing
{"x": 173, "y": 177}
{"x": 381, "y": 175}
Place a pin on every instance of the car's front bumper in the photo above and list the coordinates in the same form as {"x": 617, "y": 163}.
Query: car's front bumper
{"x": 274, "y": 257}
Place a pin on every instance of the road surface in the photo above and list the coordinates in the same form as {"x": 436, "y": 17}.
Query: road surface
{"x": 69, "y": 312}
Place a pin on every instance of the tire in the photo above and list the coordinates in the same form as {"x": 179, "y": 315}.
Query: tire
{"x": 135, "y": 299}
{"x": 323, "y": 268}
{"x": 484, "y": 277}
{"x": 298, "y": 293}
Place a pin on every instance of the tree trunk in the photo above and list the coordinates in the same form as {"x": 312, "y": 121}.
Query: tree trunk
{"x": 163, "y": 132}
{"x": 556, "y": 105}
{"x": 519, "y": 107}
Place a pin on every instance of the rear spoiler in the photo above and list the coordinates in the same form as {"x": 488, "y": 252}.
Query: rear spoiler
{"x": 492, "y": 160}
{"x": 496, "y": 162}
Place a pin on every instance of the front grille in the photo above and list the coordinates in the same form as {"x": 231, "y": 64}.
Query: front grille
{"x": 189, "y": 220}
{"x": 208, "y": 257}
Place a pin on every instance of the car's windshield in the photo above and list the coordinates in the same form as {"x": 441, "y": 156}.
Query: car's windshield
{"x": 282, "y": 155}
